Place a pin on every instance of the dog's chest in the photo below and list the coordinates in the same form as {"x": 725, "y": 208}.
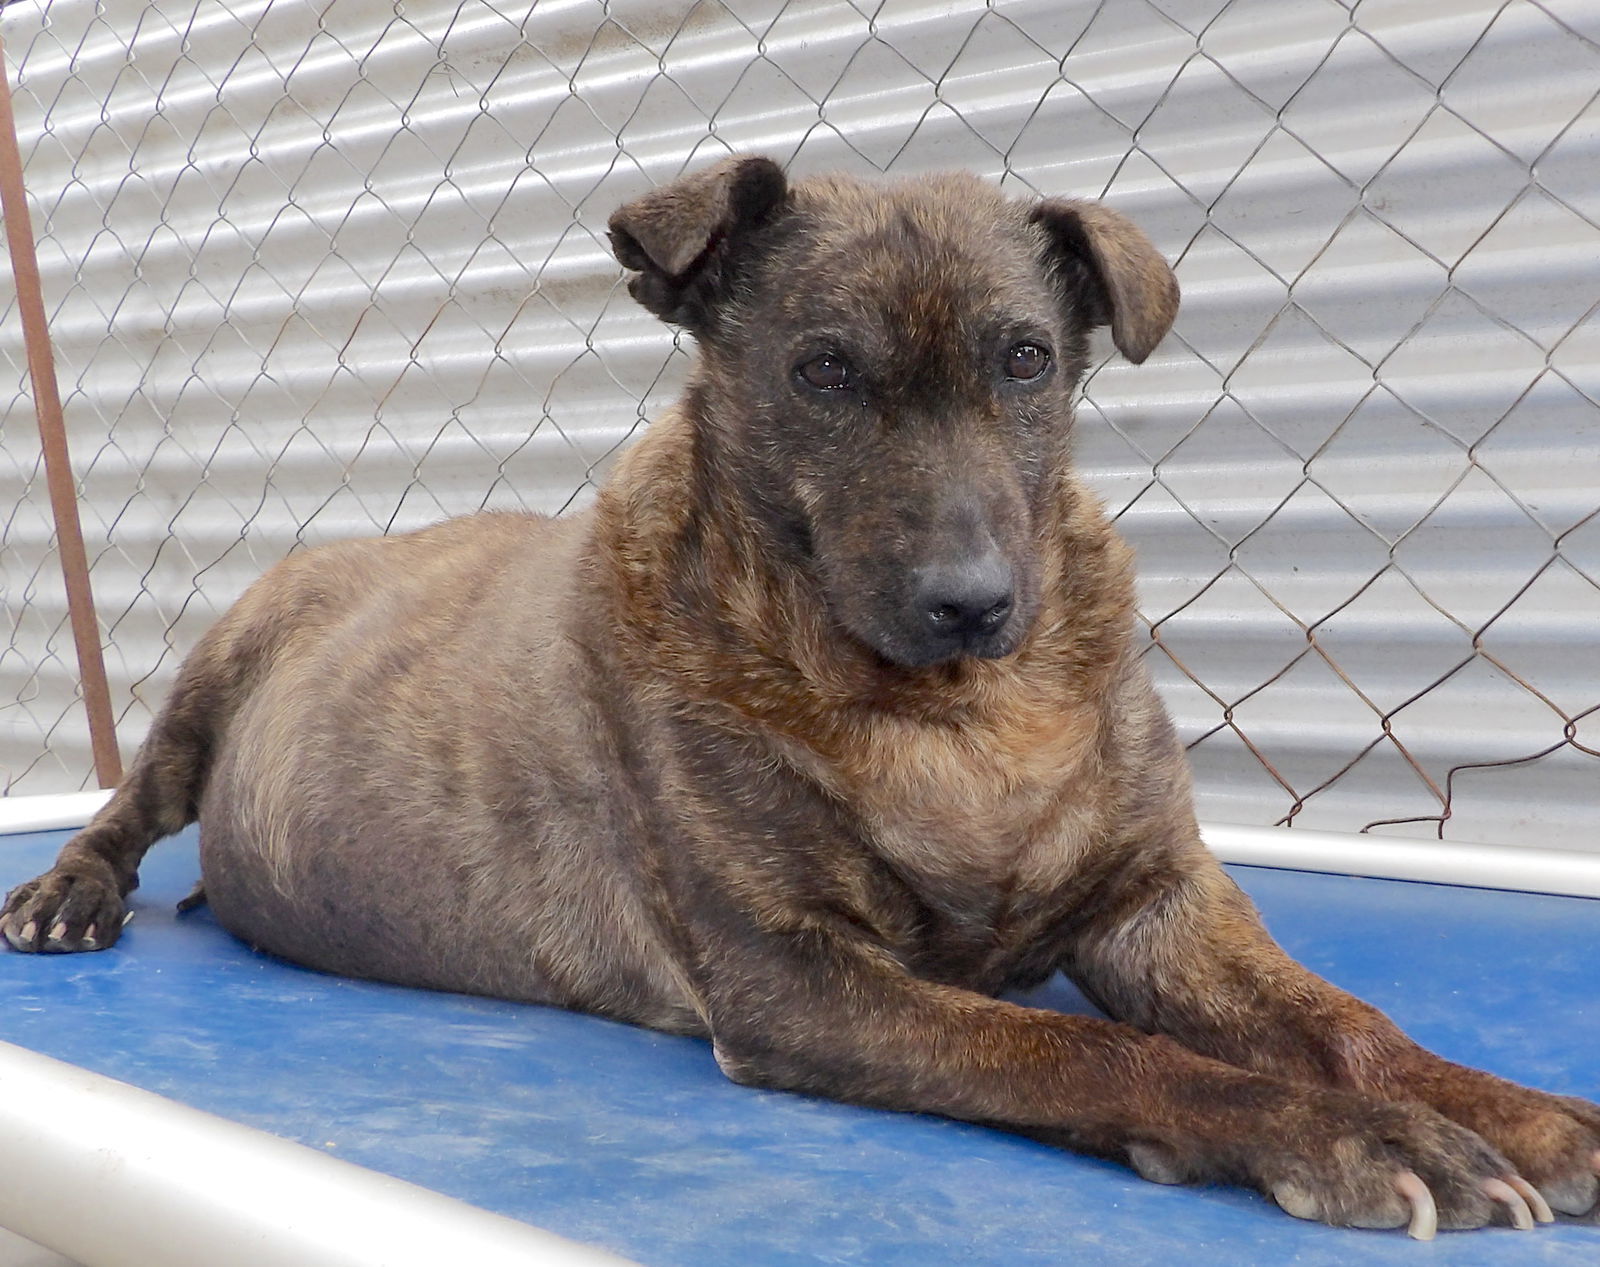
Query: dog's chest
{"x": 971, "y": 814}
{"x": 973, "y": 858}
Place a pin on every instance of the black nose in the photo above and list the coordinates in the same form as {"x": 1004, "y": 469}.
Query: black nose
{"x": 968, "y": 599}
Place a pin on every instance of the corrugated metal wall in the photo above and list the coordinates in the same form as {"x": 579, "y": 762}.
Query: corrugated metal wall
{"x": 324, "y": 269}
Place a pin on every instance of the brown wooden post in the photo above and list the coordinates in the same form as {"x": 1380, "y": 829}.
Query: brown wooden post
{"x": 53, "y": 435}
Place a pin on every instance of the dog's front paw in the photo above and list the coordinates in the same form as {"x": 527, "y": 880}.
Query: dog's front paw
{"x": 1356, "y": 1162}
{"x": 1558, "y": 1148}
{"x": 1554, "y": 1141}
{"x": 68, "y": 908}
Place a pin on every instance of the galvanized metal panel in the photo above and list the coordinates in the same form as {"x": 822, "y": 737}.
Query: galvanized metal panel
{"x": 341, "y": 269}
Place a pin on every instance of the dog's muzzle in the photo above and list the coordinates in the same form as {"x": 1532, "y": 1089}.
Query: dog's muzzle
{"x": 965, "y": 606}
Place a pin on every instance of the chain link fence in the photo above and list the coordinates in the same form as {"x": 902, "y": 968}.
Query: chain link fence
{"x": 317, "y": 270}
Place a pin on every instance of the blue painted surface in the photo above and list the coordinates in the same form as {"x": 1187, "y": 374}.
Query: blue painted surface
{"x": 633, "y": 1140}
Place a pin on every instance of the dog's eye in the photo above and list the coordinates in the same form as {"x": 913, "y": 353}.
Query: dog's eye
{"x": 1026, "y": 361}
{"x": 828, "y": 373}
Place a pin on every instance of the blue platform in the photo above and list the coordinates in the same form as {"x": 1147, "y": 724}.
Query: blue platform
{"x": 634, "y": 1140}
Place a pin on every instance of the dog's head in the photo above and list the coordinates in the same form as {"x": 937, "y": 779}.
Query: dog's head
{"x": 887, "y": 377}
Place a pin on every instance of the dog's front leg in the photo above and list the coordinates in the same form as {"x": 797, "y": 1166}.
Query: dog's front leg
{"x": 814, "y": 1003}
{"x": 1182, "y": 952}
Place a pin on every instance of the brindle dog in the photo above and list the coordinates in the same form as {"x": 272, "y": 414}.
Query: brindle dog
{"x": 825, "y": 726}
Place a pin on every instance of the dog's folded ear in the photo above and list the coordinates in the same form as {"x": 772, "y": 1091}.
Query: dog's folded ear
{"x": 681, "y": 240}
{"x": 1124, "y": 281}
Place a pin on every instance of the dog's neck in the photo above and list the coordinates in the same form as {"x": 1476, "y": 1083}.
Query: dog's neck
{"x": 967, "y": 776}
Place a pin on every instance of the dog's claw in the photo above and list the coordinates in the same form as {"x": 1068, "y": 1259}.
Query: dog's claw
{"x": 1537, "y": 1205}
{"x": 1500, "y": 1191}
{"x": 34, "y": 938}
{"x": 1424, "y": 1214}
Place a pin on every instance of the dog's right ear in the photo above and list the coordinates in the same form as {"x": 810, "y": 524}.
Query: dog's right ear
{"x": 683, "y": 239}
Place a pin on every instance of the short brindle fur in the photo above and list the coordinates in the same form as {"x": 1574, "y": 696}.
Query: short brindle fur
{"x": 824, "y": 727}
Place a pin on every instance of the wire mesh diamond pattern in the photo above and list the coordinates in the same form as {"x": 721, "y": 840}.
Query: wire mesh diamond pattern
{"x": 324, "y": 270}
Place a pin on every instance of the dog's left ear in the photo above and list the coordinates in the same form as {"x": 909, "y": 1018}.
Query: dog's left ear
{"x": 1129, "y": 286}
{"x": 683, "y": 240}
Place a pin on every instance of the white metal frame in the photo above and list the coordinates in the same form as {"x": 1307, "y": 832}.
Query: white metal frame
{"x": 1519, "y": 868}
{"x": 113, "y": 1176}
